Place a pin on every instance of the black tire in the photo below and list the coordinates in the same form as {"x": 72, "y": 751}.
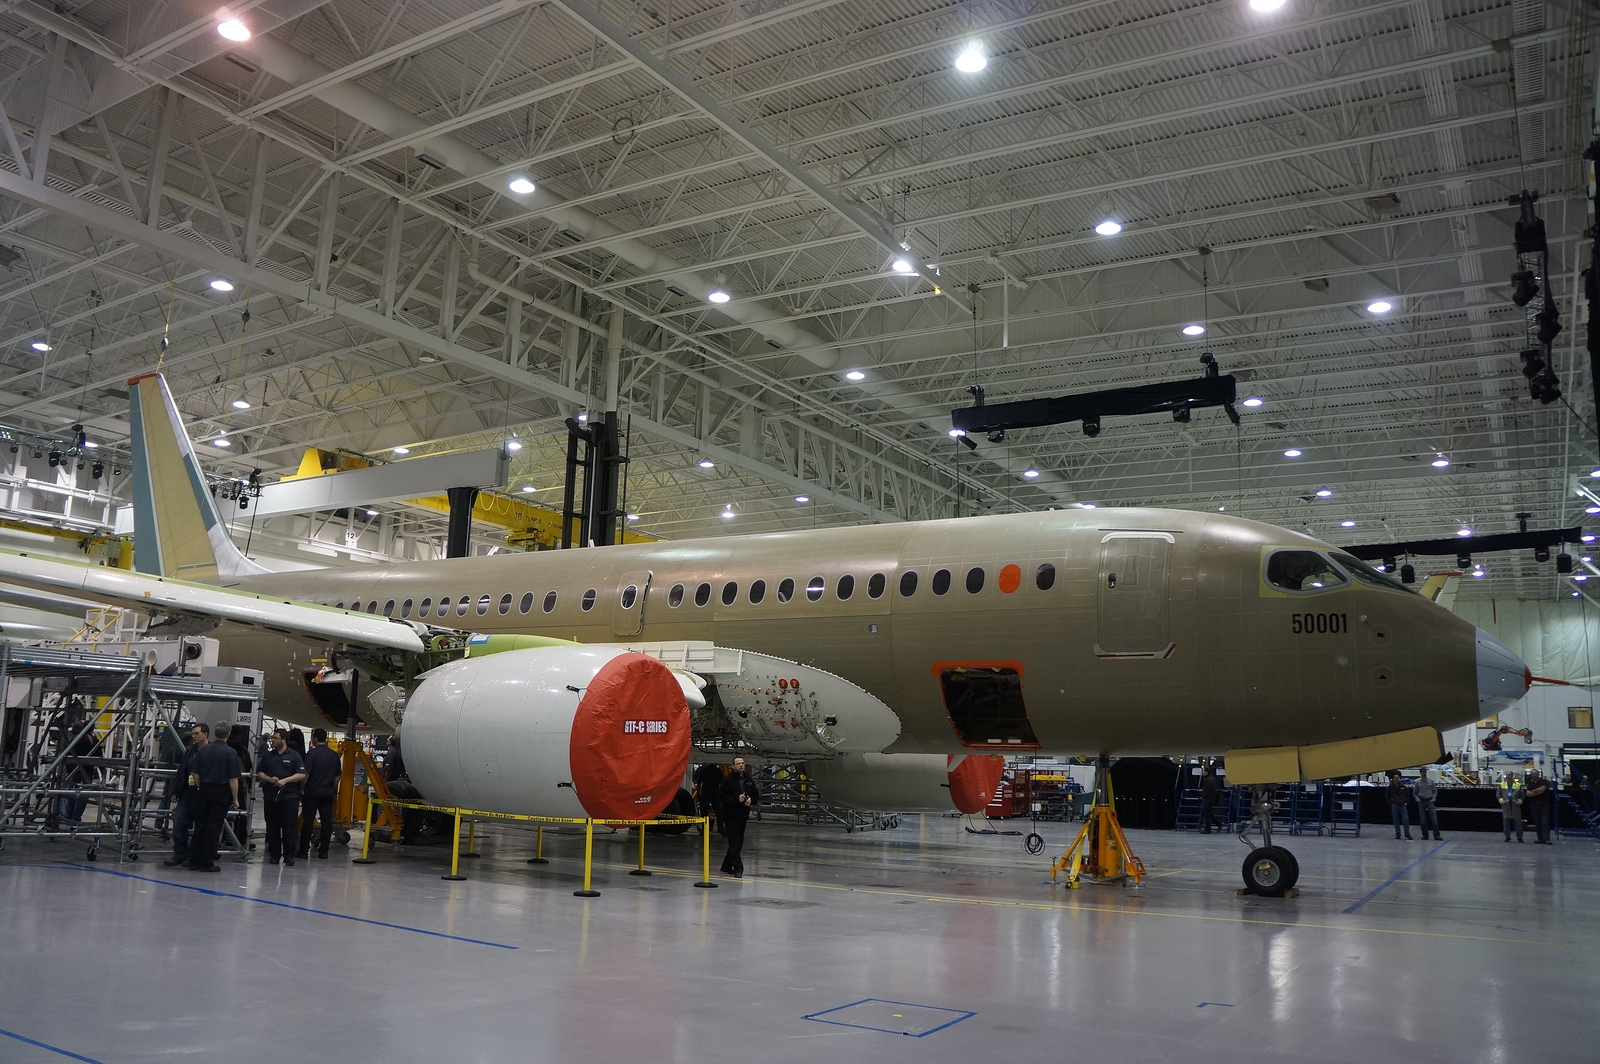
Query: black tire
{"x": 1270, "y": 871}
{"x": 342, "y": 837}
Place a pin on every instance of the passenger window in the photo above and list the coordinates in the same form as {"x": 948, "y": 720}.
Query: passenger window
{"x": 875, "y": 585}
{"x": 505, "y": 603}
{"x": 974, "y": 580}
{"x": 388, "y": 608}
{"x": 814, "y": 588}
{"x": 1045, "y": 578}
{"x": 483, "y": 605}
{"x": 405, "y": 608}
{"x": 372, "y": 607}
{"x": 356, "y": 605}
{"x": 463, "y": 604}
{"x": 588, "y": 600}
{"x": 444, "y": 606}
{"x": 425, "y": 608}
{"x": 702, "y": 594}
{"x": 675, "y": 596}
{"x": 785, "y": 589}
{"x": 549, "y": 601}
{"x": 1302, "y": 570}
{"x": 526, "y": 604}
{"x": 630, "y": 595}
{"x": 847, "y": 586}
{"x": 730, "y": 591}
{"x": 758, "y": 591}
{"x": 940, "y": 582}
{"x": 908, "y": 583}
{"x": 338, "y": 606}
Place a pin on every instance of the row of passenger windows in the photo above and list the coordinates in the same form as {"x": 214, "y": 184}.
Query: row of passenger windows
{"x": 1010, "y": 578}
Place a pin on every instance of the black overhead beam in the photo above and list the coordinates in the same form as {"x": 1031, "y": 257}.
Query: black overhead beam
{"x": 1179, "y": 397}
{"x": 1455, "y": 546}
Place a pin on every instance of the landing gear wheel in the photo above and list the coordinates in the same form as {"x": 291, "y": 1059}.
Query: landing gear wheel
{"x": 1270, "y": 871}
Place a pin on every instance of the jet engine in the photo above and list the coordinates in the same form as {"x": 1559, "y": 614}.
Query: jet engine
{"x": 568, "y": 731}
{"x": 909, "y": 783}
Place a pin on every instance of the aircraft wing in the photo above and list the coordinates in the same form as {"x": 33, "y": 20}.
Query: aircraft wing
{"x": 182, "y": 602}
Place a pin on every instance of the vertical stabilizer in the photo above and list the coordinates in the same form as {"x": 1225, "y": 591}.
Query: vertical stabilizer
{"x": 176, "y": 528}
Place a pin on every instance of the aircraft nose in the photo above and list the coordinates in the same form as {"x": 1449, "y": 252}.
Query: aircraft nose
{"x": 1502, "y": 677}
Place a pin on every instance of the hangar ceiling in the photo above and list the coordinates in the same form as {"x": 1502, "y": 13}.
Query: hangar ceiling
{"x": 1276, "y": 173}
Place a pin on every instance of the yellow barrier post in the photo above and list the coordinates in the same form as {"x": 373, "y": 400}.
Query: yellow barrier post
{"x": 640, "y": 871}
{"x": 472, "y": 839}
{"x": 588, "y": 861}
{"x": 705, "y": 853}
{"x": 538, "y": 848}
{"x": 455, "y": 851}
{"x": 366, "y": 837}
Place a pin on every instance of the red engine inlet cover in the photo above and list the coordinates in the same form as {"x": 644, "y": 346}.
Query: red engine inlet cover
{"x": 630, "y": 740}
{"x": 973, "y": 782}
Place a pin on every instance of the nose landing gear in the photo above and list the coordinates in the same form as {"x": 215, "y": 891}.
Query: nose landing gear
{"x": 1270, "y": 871}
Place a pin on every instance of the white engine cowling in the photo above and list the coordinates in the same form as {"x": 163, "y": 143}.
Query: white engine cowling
{"x": 909, "y": 783}
{"x": 568, "y": 731}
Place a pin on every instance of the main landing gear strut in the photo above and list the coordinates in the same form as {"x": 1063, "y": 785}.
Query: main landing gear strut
{"x": 1101, "y": 849}
{"x": 1270, "y": 871}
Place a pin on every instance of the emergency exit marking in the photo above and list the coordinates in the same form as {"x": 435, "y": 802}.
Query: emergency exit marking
{"x": 644, "y": 727}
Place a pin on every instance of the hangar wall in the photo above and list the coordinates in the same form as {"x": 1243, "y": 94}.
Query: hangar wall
{"x": 1560, "y": 639}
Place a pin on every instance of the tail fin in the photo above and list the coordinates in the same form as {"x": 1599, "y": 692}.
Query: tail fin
{"x": 176, "y": 529}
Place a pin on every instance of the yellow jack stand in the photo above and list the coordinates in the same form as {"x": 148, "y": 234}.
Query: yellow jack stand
{"x": 1101, "y": 849}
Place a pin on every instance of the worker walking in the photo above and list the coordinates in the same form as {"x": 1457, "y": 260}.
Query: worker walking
{"x": 216, "y": 777}
{"x": 737, "y": 796}
{"x": 1210, "y": 792}
{"x": 1427, "y": 793}
{"x": 321, "y": 785}
{"x": 1399, "y": 796}
{"x": 1511, "y": 806}
{"x": 281, "y": 773}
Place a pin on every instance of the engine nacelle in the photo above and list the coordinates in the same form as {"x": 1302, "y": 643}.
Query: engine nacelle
{"x": 909, "y": 783}
{"x": 568, "y": 731}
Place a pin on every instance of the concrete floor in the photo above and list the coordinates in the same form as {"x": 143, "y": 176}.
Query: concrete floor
{"x": 1481, "y": 952}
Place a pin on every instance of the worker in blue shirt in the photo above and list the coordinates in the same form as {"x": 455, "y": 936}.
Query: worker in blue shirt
{"x": 281, "y": 772}
{"x": 215, "y": 776}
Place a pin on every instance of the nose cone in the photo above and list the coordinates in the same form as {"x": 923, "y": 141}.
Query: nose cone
{"x": 1502, "y": 677}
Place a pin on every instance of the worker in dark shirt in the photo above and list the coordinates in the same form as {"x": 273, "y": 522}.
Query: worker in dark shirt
{"x": 185, "y": 799}
{"x": 1537, "y": 796}
{"x": 738, "y": 795}
{"x": 1210, "y": 792}
{"x": 708, "y": 781}
{"x": 281, "y": 772}
{"x": 216, "y": 777}
{"x": 323, "y": 768}
{"x": 1399, "y": 796}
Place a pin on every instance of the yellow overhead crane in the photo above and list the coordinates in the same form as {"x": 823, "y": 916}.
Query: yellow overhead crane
{"x": 113, "y": 551}
{"x": 528, "y": 525}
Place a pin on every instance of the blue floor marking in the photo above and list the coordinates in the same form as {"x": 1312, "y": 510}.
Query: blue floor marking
{"x": 1390, "y": 881}
{"x": 961, "y": 1015}
{"x": 47, "y": 1045}
{"x": 286, "y": 905}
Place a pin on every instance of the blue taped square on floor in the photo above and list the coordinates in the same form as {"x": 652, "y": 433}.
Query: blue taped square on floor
{"x": 891, "y": 1017}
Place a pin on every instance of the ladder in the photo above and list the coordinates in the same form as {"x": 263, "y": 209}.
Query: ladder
{"x": 1344, "y": 810}
{"x": 1590, "y": 821}
{"x": 1188, "y": 818}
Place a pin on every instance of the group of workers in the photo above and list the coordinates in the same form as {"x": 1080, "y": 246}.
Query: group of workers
{"x": 211, "y": 781}
{"x": 727, "y": 800}
{"x": 1530, "y": 798}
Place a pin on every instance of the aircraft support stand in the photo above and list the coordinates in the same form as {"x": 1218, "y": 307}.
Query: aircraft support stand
{"x": 588, "y": 861}
{"x": 455, "y": 851}
{"x": 641, "y": 870}
{"x": 538, "y": 848}
{"x": 1101, "y": 849}
{"x": 1269, "y": 871}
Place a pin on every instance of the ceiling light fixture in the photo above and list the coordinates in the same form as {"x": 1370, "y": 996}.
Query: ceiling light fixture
{"x": 1194, "y": 329}
{"x": 1594, "y": 474}
{"x": 1379, "y": 306}
{"x": 728, "y": 515}
{"x": 1030, "y": 473}
{"x": 706, "y": 463}
{"x": 1266, "y": 6}
{"x": 234, "y": 30}
{"x": 1441, "y": 462}
{"x": 1109, "y": 227}
{"x": 513, "y": 445}
{"x": 633, "y": 517}
{"x": 222, "y": 441}
{"x": 1323, "y": 493}
{"x": 1253, "y": 402}
{"x": 40, "y": 346}
{"x": 1581, "y": 577}
{"x": 402, "y": 450}
{"x": 1347, "y": 524}
{"x": 1587, "y": 537}
{"x": 719, "y": 294}
{"x": 372, "y": 513}
{"x": 855, "y": 375}
{"x": 241, "y": 404}
{"x": 521, "y": 185}
{"x": 527, "y": 489}
{"x": 1087, "y": 505}
{"x": 1591, "y": 509}
{"x": 956, "y": 434}
{"x": 1463, "y": 531}
{"x": 802, "y": 498}
{"x": 221, "y": 285}
{"x": 1293, "y": 452}
{"x": 902, "y": 265}
{"x": 971, "y": 60}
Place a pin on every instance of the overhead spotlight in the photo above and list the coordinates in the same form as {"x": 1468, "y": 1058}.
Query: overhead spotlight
{"x": 971, "y": 60}
{"x": 1253, "y": 402}
{"x": 1031, "y": 474}
{"x": 241, "y": 404}
{"x": 97, "y": 470}
{"x": 1523, "y": 287}
{"x": 1194, "y": 329}
{"x": 1548, "y": 324}
{"x": 402, "y": 450}
{"x": 513, "y": 444}
{"x": 1293, "y": 452}
{"x": 521, "y": 185}
{"x": 1541, "y": 554}
{"x": 1347, "y": 524}
{"x": 55, "y": 459}
{"x": 956, "y": 434}
{"x": 1091, "y": 427}
{"x": 79, "y": 438}
{"x": 902, "y": 265}
{"x": 233, "y": 30}
{"x": 802, "y": 498}
{"x": 220, "y": 285}
{"x": 1463, "y": 560}
{"x": 728, "y": 515}
{"x": 527, "y": 489}
{"x": 1408, "y": 573}
{"x": 1563, "y": 562}
{"x": 1323, "y": 493}
{"x": 1478, "y": 572}
{"x": 1587, "y": 537}
{"x": 1387, "y": 566}
{"x": 1440, "y": 462}
{"x": 40, "y": 346}
{"x": 633, "y": 517}
{"x": 1543, "y": 384}
{"x": 222, "y": 441}
{"x": 706, "y": 463}
{"x": 1109, "y": 227}
{"x": 1463, "y": 531}
{"x": 1379, "y": 306}
{"x": 1591, "y": 509}
{"x": 855, "y": 375}
{"x": 1266, "y": 6}
{"x": 718, "y": 295}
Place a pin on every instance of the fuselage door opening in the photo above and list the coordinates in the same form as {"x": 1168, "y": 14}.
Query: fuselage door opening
{"x": 627, "y": 609}
{"x": 1133, "y": 597}
{"x": 984, "y": 702}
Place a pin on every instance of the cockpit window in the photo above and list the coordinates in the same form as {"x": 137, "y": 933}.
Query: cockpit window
{"x": 1302, "y": 570}
{"x": 1366, "y": 574}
